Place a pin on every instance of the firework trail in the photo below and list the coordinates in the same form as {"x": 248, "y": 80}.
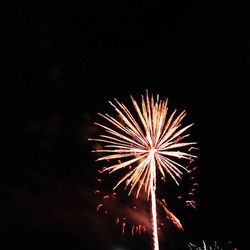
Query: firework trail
{"x": 145, "y": 143}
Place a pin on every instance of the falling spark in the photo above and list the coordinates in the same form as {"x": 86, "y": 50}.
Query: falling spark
{"x": 191, "y": 203}
{"x": 150, "y": 143}
{"x": 98, "y": 207}
{"x": 123, "y": 227}
{"x": 171, "y": 216}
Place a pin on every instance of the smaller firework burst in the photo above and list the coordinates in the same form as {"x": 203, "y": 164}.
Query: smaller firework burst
{"x": 213, "y": 246}
{"x": 204, "y": 246}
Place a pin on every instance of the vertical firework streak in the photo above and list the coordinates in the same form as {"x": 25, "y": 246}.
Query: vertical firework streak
{"x": 153, "y": 199}
{"x": 150, "y": 143}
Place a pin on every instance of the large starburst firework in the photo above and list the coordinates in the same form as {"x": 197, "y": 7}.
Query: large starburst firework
{"x": 145, "y": 143}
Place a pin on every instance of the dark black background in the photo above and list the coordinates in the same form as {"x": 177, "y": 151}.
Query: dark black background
{"x": 61, "y": 64}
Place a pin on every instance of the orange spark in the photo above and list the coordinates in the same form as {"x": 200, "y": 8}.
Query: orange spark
{"x": 98, "y": 207}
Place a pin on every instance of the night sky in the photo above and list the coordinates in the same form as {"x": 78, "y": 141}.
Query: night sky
{"x": 60, "y": 67}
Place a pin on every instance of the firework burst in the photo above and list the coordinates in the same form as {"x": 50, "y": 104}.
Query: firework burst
{"x": 204, "y": 246}
{"x": 147, "y": 143}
